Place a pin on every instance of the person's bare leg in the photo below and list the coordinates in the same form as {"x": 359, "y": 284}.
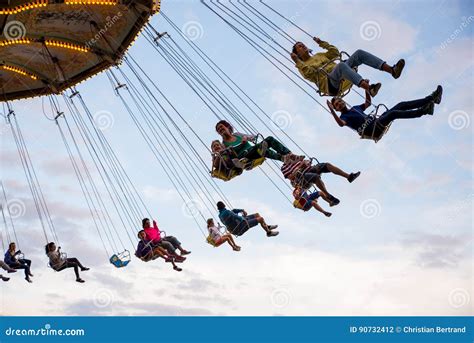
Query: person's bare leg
{"x": 263, "y": 224}
{"x": 235, "y": 246}
{"x": 320, "y": 209}
{"x": 325, "y": 197}
{"x": 335, "y": 170}
{"x": 321, "y": 186}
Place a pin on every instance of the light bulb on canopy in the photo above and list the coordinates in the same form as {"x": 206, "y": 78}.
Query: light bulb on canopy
{"x": 47, "y": 46}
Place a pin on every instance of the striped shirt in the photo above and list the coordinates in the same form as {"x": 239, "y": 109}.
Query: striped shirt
{"x": 291, "y": 167}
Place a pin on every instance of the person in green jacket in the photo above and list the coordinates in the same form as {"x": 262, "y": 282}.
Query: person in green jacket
{"x": 334, "y": 78}
{"x": 240, "y": 143}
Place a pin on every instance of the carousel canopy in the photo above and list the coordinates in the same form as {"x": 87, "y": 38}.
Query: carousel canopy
{"x": 47, "y": 46}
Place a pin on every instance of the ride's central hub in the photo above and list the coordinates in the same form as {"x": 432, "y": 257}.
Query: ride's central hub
{"x": 48, "y": 46}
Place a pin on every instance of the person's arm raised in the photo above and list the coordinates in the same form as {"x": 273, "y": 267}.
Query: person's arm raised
{"x": 338, "y": 120}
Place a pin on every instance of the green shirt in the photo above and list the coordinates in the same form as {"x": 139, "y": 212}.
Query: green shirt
{"x": 239, "y": 147}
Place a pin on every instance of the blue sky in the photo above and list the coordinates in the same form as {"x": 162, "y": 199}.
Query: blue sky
{"x": 413, "y": 257}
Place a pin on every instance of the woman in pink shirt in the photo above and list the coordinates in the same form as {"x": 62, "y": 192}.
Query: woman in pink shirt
{"x": 170, "y": 243}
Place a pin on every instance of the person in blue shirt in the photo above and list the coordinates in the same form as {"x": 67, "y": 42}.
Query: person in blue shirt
{"x": 356, "y": 118}
{"x": 146, "y": 252}
{"x": 306, "y": 201}
{"x": 11, "y": 258}
{"x": 238, "y": 225}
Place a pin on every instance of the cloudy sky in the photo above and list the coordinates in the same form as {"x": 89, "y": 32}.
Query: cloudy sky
{"x": 400, "y": 242}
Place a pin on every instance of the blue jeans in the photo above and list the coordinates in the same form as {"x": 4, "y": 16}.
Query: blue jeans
{"x": 344, "y": 69}
{"x": 405, "y": 110}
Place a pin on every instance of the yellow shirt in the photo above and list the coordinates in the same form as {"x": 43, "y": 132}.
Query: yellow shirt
{"x": 311, "y": 68}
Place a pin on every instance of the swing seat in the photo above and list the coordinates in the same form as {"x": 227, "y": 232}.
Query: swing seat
{"x": 210, "y": 241}
{"x": 300, "y": 204}
{"x": 378, "y": 130}
{"x": 345, "y": 86}
{"x": 232, "y": 173}
{"x": 120, "y": 260}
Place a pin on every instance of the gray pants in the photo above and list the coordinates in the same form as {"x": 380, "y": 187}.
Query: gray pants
{"x": 170, "y": 244}
{"x": 344, "y": 69}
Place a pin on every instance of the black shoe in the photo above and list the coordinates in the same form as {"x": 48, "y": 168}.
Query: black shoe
{"x": 353, "y": 176}
{"x": 272, "y": 233}
{"x": 334, "y": 201}
{"x": 437, "y": 95}
{"x": 84, "y": 269}
{"x": 5, "y": 278}
{"x": 429, "y": 108}
{"x": 398, "y": 68}
{"x": 374, "y": 89}
{"x": 80, "y": 280}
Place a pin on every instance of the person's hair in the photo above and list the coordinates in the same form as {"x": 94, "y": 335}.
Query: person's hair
{"x": 333, "y": 100}
{"x": 226, "y": 124}
{"x": 48, "y": 246}
{"x": 139, "y": 233}
{"x": 220, "y": 205}
{"x": 215, "y": 141}
{"x": 10, "y": 245}
{"x": 294, "y": 47}
{"x": 144, "y": 221}
{"x": 209, "y": 221}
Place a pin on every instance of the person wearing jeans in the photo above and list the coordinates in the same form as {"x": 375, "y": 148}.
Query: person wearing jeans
{"x": 18, "y": 263}
{"x": 356, "y": 119}
{"x": 329, "y": 76}
{"x": 59, "y": 263}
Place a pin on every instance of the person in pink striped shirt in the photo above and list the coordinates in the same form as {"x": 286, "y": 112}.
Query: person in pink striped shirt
{"x": 303, "y": 175}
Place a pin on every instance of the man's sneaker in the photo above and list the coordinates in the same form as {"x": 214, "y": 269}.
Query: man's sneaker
{"x": 177, "y": 268}
{"x": 334, "y": 201}
{"x": 437, "y": 95}
{"x": 84, "y": 269}
{"x": 185, "y": 252}
{"x": 5, "y": 278}
{"x": 398, "y": 68}
{"x": 374, "y": 89}
{"x": 263, "y": 148}
{"x": 272, "y": 227}
{"x": 272, "y": 233}
{"x": 29, "y": 280}
{"x": 429, "y": 108}
{"x": 12, "y": 271}
{"x": 353, "y": 176}
{"x": 80, "y": 280}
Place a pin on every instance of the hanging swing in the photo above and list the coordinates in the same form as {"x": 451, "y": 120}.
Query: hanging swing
{"x": 226, "y": 174}
{"x": 211, "y": 240}
{"x": 344, "y": 87}
{"x": 120, "y": 260}
{"x": 372, "y": 128}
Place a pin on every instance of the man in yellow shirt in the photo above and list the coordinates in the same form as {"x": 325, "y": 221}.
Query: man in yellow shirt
{"x": 334, "y": 78}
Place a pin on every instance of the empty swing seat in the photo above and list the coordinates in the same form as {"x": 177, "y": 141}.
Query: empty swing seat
{"x": 120, "y": 260}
